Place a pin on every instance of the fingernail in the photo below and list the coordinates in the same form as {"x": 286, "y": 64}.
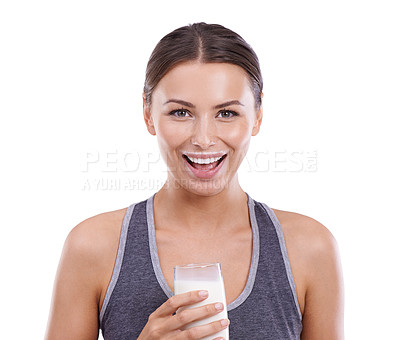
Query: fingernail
{"x": 224, "y": 322}
{"x": 203, "y": 293}
{"x": 219, "y": 306}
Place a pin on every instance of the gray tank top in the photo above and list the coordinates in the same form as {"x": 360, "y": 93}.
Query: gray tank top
{"x": 266, "y": 309}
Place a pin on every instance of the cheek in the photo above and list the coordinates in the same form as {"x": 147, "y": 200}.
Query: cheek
{"x": 170, "y": 137}
{"x": 237, "y": 136}
{"x": 238, "y": 139}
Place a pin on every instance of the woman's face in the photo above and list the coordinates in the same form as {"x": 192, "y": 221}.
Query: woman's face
{"x": 203, "y": 115}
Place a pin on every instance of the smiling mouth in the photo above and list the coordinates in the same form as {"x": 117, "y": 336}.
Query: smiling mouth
{"x": 204, "y": 164}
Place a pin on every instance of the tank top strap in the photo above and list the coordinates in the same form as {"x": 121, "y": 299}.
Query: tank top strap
{"x": 285, "y": 256}
{"x": 118, "y": 261}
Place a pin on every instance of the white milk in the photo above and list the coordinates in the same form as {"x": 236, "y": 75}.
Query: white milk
{"x": 216, "y": 293}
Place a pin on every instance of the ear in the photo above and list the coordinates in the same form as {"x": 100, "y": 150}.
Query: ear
{"x": 259, "y": 117}
{"x": 148, "y": 119}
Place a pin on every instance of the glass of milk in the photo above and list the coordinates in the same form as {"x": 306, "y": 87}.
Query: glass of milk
{"x": 203, "y": 276}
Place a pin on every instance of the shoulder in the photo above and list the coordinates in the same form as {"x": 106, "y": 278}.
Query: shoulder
{"x": 92, "y": 246}
{"x": 95, "y": 238}
{"x": 305, "y": 233}
{"x": 307, "y": 239}
{"x": 96, "y": 232}
{"x": 83, "y": 274}
{"x": 90, "y": 250}
{"x": 97, "y": 226}
{"x": 313, "y": 254}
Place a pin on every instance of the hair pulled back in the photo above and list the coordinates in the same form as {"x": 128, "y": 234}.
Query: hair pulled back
{"x": 206, "y": 43}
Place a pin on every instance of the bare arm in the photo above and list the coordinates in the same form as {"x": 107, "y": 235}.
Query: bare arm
{"x": 324, "y": 301}
{"x": 74, "y": 309}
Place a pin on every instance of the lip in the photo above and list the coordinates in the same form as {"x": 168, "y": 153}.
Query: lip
{"x": 205, "y": 174}
{"x": 205, "y": 155}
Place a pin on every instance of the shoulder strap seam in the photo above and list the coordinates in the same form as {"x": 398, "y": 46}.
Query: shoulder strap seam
{"x": 254, "y": 258}
{"x": 153, "y": 248}
{"x": 285, "y": 256}
{"x": 118, "y": 260}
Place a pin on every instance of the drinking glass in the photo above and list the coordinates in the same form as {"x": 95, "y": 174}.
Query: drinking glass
{"x": 203, "y": 276}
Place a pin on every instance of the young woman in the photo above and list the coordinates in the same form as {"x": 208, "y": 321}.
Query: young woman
{"x": 203, "y": 101}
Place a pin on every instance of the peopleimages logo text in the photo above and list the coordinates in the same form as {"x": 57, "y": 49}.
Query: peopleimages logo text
{"x": 260, "y": 161}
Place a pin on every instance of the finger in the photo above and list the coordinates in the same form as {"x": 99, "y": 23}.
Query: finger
{"x": 182, "y": 318}
{"x": 175, "y": 302}
{"x": 199, "y": 332}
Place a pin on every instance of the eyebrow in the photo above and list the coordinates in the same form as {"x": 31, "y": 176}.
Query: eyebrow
{"x": 219, "y": 106}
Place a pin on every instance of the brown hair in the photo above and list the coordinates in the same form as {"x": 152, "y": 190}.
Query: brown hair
{"x": 207, "y": 43}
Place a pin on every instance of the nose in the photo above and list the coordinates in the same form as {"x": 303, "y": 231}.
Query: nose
{"x": 203, "y": 133}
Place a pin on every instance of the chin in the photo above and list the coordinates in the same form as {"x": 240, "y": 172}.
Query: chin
{"x": 200, "y": 188}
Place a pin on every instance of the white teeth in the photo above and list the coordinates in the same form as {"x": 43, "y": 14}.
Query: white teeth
{"x": 204, "y": 160}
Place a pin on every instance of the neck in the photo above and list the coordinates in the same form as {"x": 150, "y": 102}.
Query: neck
{"x": 180, "y": 208}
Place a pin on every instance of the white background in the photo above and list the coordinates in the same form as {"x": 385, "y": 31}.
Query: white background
{"x": 71, "y": 78}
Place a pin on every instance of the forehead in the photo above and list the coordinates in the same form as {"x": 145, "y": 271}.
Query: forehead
{"x": 195, "y": 81}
